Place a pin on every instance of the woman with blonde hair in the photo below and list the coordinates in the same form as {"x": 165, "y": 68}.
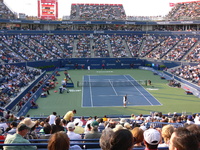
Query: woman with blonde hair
{"x": 166, "y": 134}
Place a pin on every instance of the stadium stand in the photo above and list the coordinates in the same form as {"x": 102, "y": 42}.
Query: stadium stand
{"x": 157, "y": 120}
{"x": 185, "y": 11}
{"x": 135, "y": 41}
{"x": 83, "y": 49}
{"x": 100, "y": 46}
{"x": 190, "y": 73}
{"x": 13, "y": 79}
{"x": 193, "y": 55}
{"x": 97, "y": 12}
{"x": 5, "y": 12}
{"x": 20, "y": 48}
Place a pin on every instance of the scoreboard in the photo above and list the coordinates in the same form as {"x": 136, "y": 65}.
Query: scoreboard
{"x": 48, "y": 9}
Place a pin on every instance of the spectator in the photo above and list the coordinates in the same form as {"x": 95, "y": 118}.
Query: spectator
{"x": 183, "y": 139}
{"x": 122, "y": 140}
{"x": 52, "y": 118}
{"x": 83, "y": 120}
{"x": 78, "y": 126}
{"x": 31, "y": 124}
{"x": 166, "y": 133}
{"x": 22, "y": 130}
{"x": 60, "y": 141}
{"x": 195, "y": 129}
{"x": 3, "y": 125}
{"x": 152, "y": 138}
{"x": 118, "y": 127}
{"x": 93, "y": 134}
{"x": 57, "y": 126}
{"x": 101, "y": 124}
{"x": 137, "y": 133}
{"x": 71, "y": 134}
{"x": 69, "y": 115}
{"x": 13, "y": 127}
{"x": 190, "y": 119}
{"x": 45, "y": 133}
{"x": 105, "y": 139}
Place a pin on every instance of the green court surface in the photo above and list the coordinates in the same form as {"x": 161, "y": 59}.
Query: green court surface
{"x": 172, "y": 99}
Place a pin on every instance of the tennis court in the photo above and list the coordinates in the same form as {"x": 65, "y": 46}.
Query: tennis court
{"x": 108, "y": 91}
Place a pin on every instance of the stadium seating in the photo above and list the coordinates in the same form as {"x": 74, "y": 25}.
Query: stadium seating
{"x": 184, "y": 11}
{"x": 5, "y": 12}
{"x": 187, "y": 72}
{"x": 31, "y": 47}
{"x": 97, "y": 12}
{"x": 20, "y": 48}
{"x": 13, "y": 79}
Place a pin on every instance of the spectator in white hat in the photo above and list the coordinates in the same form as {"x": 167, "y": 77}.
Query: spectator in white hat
{"x": 71, "y": 134}
{"x": 152, "y": 138}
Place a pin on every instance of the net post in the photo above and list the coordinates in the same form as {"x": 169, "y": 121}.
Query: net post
{"x": 77, "y": 83}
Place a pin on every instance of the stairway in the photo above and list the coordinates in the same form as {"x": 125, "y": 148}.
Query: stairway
{"x": 91, "y": 48}
{"x": 74, "y": 48}
{"x": 127, "y": 49}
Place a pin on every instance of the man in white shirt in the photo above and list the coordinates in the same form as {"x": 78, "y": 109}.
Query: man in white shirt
{"x": 3, "y": 124}
{"x": 125, "y": 100}
{"x": 71, "y": 134}
{"x": 52, "y": 118}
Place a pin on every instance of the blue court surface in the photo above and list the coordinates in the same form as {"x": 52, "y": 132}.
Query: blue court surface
{"x": 98, "y": 95}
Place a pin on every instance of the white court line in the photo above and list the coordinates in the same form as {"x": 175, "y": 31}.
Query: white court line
{"x": 139, "y": 91}
{"x": 91, "y": 93}
{"x": 82, "y": 91}
{"x": 148, "y": 92}
{"x": 116, "y": 106}
{"x": 113, "y": 88}
{"x": 115, "y": 95}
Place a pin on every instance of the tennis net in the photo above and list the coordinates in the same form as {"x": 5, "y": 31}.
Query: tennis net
{"x": 111, "y": 83}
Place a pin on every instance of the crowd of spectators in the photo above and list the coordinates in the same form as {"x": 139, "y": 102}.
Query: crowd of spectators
{"x": 45, "y": 85}
{"x": 182, "y": 47}
{"x": 100, "y": 27}
{"x": 66, "y": 44}
{"x": 9, "y": 56}
{"x": 150, "y": 43}
{"x": 35, "y": 47}
{"x": 101, "y": 46}
{"x": 181, "y": 11}
{"x": 97, "y": 12}
{"x": 83, "y": 48}
{"x": 21, "y": 48}
{"x": 176, "y": 28}
{"x": 107, "y": 132}
{"x": 163, "y": 48}
{"x": 187, "y": 72}
{"x": 134, "y": 43}
{"x": 22, "y": 51}
{"x": 184, "y": 11}
{"x": 193, "y": 55}
{"x": 5, "y": 12}
{"x": 118, "y": 46}
{"x": 13, "y": 79}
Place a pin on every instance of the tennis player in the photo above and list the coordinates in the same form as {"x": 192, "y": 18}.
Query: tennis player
{"x": 125, "y": 100}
